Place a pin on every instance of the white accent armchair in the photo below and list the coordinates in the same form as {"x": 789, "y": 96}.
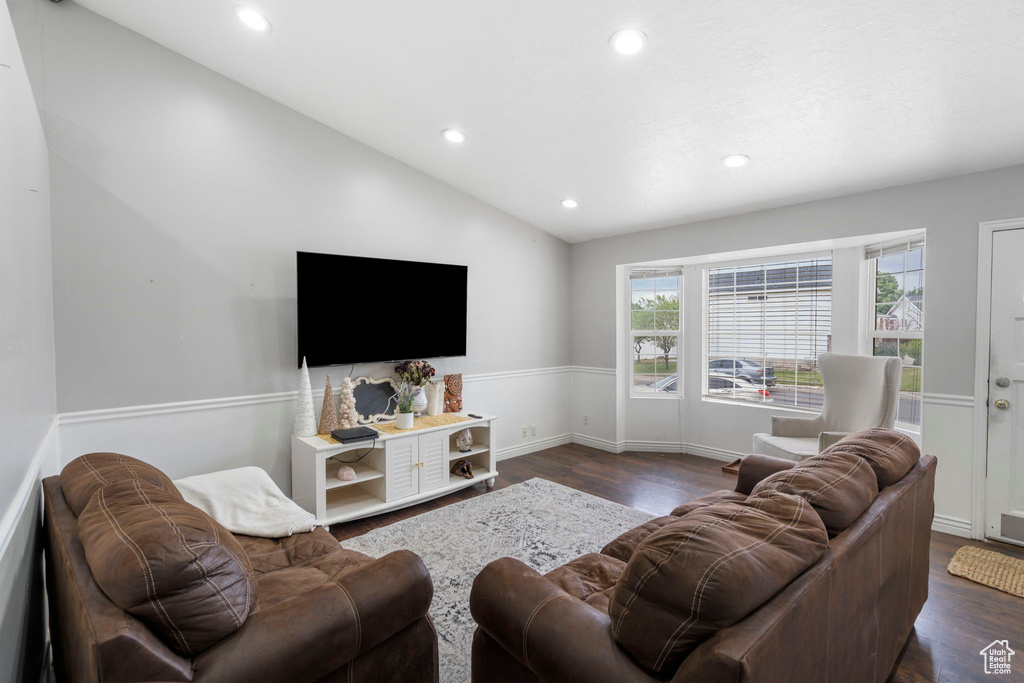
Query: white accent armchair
{"x": 861, "y": 392}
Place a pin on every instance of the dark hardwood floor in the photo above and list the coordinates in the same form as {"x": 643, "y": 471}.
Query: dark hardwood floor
{"x": 959, "y": 619}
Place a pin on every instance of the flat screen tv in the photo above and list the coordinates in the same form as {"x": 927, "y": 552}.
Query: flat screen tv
{"x": 353, "y": 309}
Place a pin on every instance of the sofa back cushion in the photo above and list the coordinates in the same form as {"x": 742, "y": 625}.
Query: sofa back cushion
{"x": 838, "y": 485}
{"x": 167, "y": 563}
{"x": 708, "y": 570}
{"x": 890, "y": 454}
{"x": 86, "y": 474}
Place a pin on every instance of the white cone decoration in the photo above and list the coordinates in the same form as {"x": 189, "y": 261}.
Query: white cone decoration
{"x": 349, "y": 416}
{"x": 305, "y": 415}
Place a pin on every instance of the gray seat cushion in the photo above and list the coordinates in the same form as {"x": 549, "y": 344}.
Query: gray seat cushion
{"x": 788, "y": 447}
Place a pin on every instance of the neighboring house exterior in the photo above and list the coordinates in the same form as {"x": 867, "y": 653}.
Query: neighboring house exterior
{"x": 904, "y": 316}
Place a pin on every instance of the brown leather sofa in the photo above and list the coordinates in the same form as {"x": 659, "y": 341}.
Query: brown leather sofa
{"x": 182, "y": 599}
{"x": 626, "y": 614}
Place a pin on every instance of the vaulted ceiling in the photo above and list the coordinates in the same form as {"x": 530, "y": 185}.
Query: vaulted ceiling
{"x": 826, "y": 97}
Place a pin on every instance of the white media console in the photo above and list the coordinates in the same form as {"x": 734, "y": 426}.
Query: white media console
{"x": 399, "y": 470}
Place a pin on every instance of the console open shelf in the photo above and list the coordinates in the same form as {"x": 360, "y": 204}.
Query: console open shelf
{"x": 473, "y": 450}
{"x": 396, "y": 471}
{"x": 363, "y": 473}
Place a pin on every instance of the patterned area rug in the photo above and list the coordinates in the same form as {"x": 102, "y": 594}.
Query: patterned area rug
{"x": 541, "y": 523}
{"x": 996, "y": 570}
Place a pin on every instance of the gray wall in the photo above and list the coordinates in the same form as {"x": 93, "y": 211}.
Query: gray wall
{"x": 180, "y": 198}
{"x": 27, "y": 402}
{"x": 949, "y": 209}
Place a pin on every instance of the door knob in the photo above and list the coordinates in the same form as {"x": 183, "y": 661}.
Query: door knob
{"x": 1002, "y": 404}
{"x": 1002, "y": 382}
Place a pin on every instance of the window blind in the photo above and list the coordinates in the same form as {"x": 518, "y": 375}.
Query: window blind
{"x": 654, "y": 273}
{"x": 777, "y": 315}
{"x": 898, "y": 247}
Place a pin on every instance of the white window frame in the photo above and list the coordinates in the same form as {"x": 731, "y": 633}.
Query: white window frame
{"x": 703, "y": 360}
{"x": 872, "y": 254}
{"x": 630, "y": 333}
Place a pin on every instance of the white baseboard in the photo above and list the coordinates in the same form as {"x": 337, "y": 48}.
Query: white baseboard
{"x": 657, "y": 447}
{"x": 653, "y": 447}
{"x": 952, "y": 525}
{"x": 713, "y": 453}
{"x": 596, "y": 442}
{"x": 533, "y": 446}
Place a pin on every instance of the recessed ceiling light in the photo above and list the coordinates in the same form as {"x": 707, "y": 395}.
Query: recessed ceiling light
{"x": 735, "y": 160}
{"x": 452, "y": 135}
{"x": 570, "y": 203}
{"x": 252, "y": 19}
{"x": 628, "y": 41}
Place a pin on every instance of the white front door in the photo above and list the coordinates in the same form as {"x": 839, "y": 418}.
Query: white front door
{"x": 1005, "y": 478}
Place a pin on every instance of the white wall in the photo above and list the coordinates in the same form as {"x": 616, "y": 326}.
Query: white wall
{"x": 27, "y": 400}
{"x": 949, "y": 210}
{"x": 222, "y": 433}
{"x": 180, "y": 198}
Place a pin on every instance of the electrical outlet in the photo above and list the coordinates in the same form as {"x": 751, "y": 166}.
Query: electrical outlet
{"x": 533, "y": 430}
{"x": 524, "y": 432}
{"x": 586, "y": 419}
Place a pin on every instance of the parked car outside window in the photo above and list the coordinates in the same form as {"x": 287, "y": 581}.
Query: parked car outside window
{"x": 744, "y": 369}
{"x": 726, "y": 386}
{"x": 722, "y": 385}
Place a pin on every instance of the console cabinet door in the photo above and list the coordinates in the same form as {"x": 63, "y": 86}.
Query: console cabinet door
{"x": 402, "y": 474}
{"x": 434, "y": 456}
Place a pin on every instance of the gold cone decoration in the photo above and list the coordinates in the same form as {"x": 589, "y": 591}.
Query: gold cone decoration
{"x": 329, "y": 412}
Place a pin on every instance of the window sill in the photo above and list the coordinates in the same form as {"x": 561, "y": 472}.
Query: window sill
{"x": 913, "y": 431}
{"x": 658, "y": 397}
{"x": 761, "y": 406}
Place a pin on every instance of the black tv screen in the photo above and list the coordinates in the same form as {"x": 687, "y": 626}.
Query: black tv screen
{"x": 353, "y": 309}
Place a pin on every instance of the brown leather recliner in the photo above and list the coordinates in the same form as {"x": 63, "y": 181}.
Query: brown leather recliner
{"x": 201, "y": 604}
{"x": 626, "y": 614}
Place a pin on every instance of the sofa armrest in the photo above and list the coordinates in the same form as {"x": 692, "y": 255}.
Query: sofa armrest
{"x": 558, "y": 637}
{"x": 315, "y": 633}
{"x": 756, "y": 467}
{"x": 796, "y": 427}
{"x": 826, "y": 439}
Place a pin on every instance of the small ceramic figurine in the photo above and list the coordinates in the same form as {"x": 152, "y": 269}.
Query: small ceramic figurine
{"x": 464, "y": 440}
{"x": 346, "y": 473}
{"x": 462, "y": 468}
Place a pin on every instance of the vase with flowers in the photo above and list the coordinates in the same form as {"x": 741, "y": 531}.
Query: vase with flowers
{"x": 404, "y": 410}
{"x": 416, "y": 373}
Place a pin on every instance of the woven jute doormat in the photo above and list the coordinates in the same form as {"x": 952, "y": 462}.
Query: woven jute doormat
{"x": 989, "y": 569}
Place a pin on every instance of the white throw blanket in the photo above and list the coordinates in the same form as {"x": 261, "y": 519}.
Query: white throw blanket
{"x": 246, "y": 501}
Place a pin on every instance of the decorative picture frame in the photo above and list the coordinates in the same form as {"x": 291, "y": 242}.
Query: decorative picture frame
{"x": 375, "y": 398}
